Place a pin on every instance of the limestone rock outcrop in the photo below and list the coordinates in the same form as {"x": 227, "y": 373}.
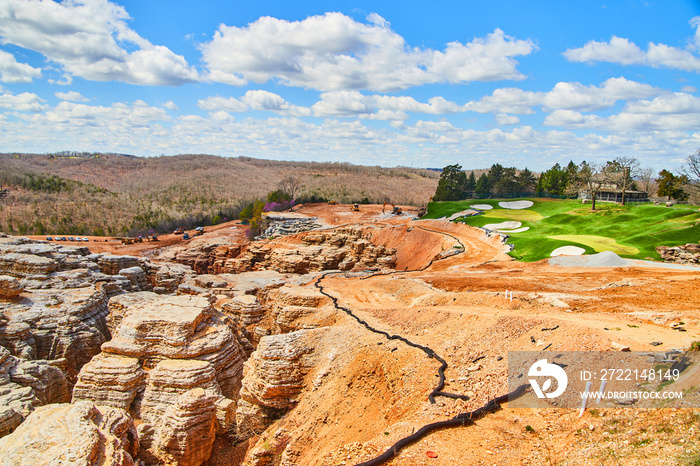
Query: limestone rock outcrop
{"x": 111, "y": 265}
{"x": 343, "y": 248}
{"x": 24, "y": 265}
{"x": 202, "y": 256}
{"x": 69, "y": 325}
{"x": 119, "y": 306}
{"x": 80, "y": 433}
{"x": 294, "y": 307}
{"x": 164, "y": 352}
{"x": 10, "y": 287}
{"x": 246, "y": 308}
{"x": 65, "y": 289}
{"x": 109, "y": 380}
{"x": 273, "y": 378}
{"x": 187, "y": 433}
{"x": 688, "y": 254}
{"x": 137, "y": 278}
{"x": 25, "y": 385}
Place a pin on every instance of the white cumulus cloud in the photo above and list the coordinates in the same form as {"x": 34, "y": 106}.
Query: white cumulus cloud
{"x": 335, "y": 52}
{"x": 505, "y": 120}
{"x": 564, "y": 96}
{"x": 622, "y": 51}
{"x": 253, "y": 100}
{"x": 667, "y": 112}
{"x": 91, "y": 39}
{"x": 12, "y": 71}
{"x": 71, "y": 96}
{"x": 24, "y": 102}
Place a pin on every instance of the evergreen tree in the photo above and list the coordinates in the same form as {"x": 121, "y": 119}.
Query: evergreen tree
{"x": 483, "y": 186}
{"x": 507, "y": 181}
{"x": 452, "y": 184}
{"x": 471, "y": 182}
{"x": 495, "y": 174}
{"x": 526, "y": 181}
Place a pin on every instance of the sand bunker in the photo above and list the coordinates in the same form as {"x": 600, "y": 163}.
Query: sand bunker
{"x": 517, "y": 230}
{"x": 516, "y": 204}
{"x": 568, "y": 251}
{"x": 464, "y": 213}
{"x": 481, "y": 206}
{"x": 502, "y": 225}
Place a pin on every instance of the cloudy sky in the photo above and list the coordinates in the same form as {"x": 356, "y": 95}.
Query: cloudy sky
{"x": 523, "y": 83}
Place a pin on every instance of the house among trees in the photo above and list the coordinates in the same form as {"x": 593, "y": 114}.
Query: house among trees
{"x": 613, "y": 192}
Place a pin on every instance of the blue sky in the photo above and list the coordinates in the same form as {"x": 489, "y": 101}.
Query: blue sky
{"x": 525, "y": 84}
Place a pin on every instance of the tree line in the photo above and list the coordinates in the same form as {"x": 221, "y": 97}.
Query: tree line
{"x": 623, "y": 175}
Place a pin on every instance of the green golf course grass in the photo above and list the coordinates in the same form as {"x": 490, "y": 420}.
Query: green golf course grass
{"x": 629, "y": 231}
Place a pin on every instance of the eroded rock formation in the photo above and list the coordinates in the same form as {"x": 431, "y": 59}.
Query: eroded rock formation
{"x": 342, "y": 248}
{"x": 80, "y": 433}
{"x": 688, "y": 254}
{"x": 164, "y": 352}
{"x": 273, "y": 378}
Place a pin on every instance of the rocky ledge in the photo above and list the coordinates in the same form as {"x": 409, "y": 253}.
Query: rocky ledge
{"x": 342, "y": 248}
{"x": 688, "y": 254}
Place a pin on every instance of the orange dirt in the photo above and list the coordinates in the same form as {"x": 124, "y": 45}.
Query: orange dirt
{"x": 374, "y": 391}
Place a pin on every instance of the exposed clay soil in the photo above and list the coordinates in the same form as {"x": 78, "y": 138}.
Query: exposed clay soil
{"x": 371, "y": 392}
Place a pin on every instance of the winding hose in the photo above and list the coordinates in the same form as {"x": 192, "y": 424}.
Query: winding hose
{"x": 462, "y": 419}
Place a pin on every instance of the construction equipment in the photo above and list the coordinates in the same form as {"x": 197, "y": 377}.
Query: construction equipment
{"x": 199, "y": 231}
{"x": 396, "y": 210}
{"x": 332, "y": 202}
{"x": 152, "y": 237}
{"x": 355, "y": 208}
{"x": 179, "y": 231}
{"x": 185, "y": 236}
{"x": 128, "y": 240}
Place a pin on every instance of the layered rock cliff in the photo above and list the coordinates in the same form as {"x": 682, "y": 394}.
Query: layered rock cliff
{"x": 175, "y": 363}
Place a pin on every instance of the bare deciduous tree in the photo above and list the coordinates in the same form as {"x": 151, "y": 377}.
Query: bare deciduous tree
{"x": 646, "y": 178}
{"x": 290, "y": 185}
{"x": 691, "y": 168}
{"x": 591, "y": 178}
{"x": 622, "y": 171}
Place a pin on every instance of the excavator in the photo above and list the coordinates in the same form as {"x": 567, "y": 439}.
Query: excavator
{"x": 355, "y": 208}
{"x": 394, "y": 209}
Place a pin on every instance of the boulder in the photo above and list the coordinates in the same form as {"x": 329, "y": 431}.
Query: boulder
{"x": 81, "y": 434}
{"x": 10, "y": 287}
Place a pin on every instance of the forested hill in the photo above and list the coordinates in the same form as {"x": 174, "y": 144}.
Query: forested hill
{"x": 113, "y": 194}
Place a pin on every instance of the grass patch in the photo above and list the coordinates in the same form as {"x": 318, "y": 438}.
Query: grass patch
{"x": 629, "y": 231}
